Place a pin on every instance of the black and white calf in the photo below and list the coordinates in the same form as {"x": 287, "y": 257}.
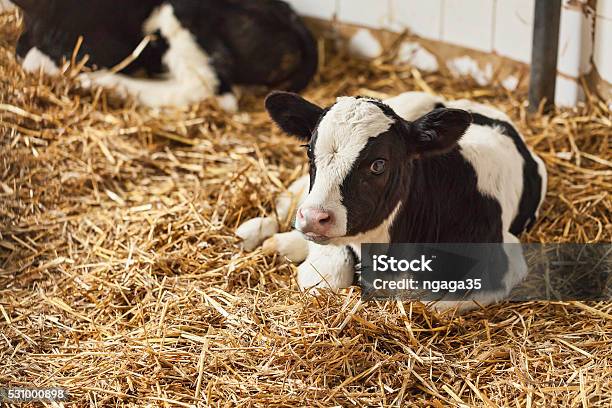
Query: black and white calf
{"x": 414, "y": 168}
{"x": 199, "y": 48}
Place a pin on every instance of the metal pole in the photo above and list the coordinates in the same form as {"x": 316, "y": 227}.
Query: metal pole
{"x": 544, "y": 53}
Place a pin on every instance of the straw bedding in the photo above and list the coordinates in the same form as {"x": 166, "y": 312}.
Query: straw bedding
{"x": 121, "y": 280}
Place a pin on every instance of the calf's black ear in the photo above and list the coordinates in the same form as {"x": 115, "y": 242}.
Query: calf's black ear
{"x": 293, "y": 114}
{"x": 438, "y": 131}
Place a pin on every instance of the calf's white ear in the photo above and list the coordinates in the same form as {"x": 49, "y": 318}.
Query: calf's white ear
{"x": 293, "y": 114}
{"x": 438, "y": 131}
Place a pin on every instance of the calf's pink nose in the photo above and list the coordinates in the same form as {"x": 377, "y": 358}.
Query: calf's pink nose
{"x": 314, "y": 220}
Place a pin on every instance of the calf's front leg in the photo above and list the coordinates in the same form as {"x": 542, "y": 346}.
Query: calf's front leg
{"x": 256, "y": 230}
{"x": 512, "y": 276}
{"x": 326, "y": 266}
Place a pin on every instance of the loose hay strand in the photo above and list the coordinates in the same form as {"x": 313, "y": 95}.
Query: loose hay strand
{"x": 121, "y": 281}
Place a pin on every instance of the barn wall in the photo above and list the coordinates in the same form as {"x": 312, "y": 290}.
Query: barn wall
{"x": 6, "y": 5}
{"x": 480, "y": 28}
{"x": 496, "y": 28}
{"x": 601, "y": 76}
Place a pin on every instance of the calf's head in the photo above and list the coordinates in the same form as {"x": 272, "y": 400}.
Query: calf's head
{"x": 361, "y": 158}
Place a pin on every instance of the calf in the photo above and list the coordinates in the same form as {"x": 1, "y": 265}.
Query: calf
{"x": 414, "y": 168}
{"x": 199, "y": 48}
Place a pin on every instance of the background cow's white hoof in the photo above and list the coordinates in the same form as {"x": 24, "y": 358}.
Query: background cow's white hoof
{"x": 255, "y": 230}
{"x": 164, "y": 20}
{"x": 85, "y": 81}
{"x": 228, "y": 102}
{"x": 327, "y": 266}
{"x": 105, "y": 79}
{"x": 291, "y": 245}
{"x": 451, "y": 306}
{"x": 36, "y": 60}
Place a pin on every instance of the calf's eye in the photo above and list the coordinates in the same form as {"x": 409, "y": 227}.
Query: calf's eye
{"x": 378, "y": 166}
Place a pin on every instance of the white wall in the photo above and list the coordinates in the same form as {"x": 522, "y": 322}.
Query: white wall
{"x": 602, "y": 53}
{"x": 501, "y": 26}
{"x": 6, "y": 5}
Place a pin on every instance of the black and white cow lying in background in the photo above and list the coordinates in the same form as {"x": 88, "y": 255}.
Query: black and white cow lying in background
{"x": 414, "y": 168}
{"x": 200, "y": 48}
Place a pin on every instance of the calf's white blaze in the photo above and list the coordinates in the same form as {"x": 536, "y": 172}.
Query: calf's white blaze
{"x": 341, "y": 136}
